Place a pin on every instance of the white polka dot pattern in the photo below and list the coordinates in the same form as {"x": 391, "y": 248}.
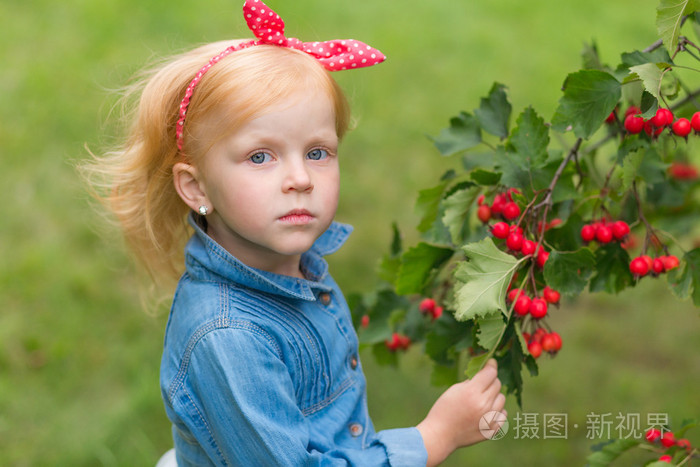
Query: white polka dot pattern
{"x": 268, "y": 27}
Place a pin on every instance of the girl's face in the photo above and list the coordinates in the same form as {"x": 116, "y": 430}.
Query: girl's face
{"x": 273, "y": 184}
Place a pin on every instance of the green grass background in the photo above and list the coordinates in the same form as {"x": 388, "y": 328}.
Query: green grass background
{"x": 79, "y": 356}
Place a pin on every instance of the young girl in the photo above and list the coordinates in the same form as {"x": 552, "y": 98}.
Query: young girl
{"x": 260, "y": 363}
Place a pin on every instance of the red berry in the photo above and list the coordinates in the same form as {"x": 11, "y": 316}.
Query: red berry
{"x": 513, "y": 294}
{"x": 542, "y": 257}
{"x": 666, "y": 458}
{"x": 364, "y": 321}
{"x": 587, "y": 233}
{"x": 522, "y": 305}
{"x": 427, "y": 305}
{"x": 681, "y": 171}
{"x": 604, "y": 234}
{"x": 483, "y": 213}
{"x": 528, "y": 247}
{"x": 511, "y": 210}
{"x": 550, "y": 295}
{"x": 526, "y": 336}
{"x": 639, "y": 267}
{"x": 620, "y": 229}
{"x": 394, "y": 343}
{"x": 657, "y": 266}
{"x": 695, "y": 121}
{"x": 515, "y": 241}
{"x": 652, "y": 435}
{"x": 634, "y": 124}
{"x": 681, "y": 127}
{"x": 551, "y": 342}
{"x": 437, "y": 312}
{"x": 535, "y": 349}
{"x": 632, "y": 110}
{"x": 610, "y": 118}
{"x": 668, "y": 440}
{"x": 498, "y": 202}
{"x": 538, "y": 308}
{"x": 684, "y": 443}
{"x": 651, "y": 129}
{"x": 670, "y": 262}
{"x": 539, "y": 334}
{"x": 480, "y": 199}
{"x": 663, "y": 117}
{"x": 649, "y": 261}
{"x": 500, "y": 230}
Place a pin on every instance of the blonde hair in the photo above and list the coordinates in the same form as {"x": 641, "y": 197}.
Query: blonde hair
{"x": 135, "y": 180}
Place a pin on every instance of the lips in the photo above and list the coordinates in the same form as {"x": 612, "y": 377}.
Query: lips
{"x": 297, "y": 217}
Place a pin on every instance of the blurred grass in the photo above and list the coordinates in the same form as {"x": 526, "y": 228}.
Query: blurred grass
{"x": 79, "y": 357}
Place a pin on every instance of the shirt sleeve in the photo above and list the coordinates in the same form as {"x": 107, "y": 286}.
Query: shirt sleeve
{"x": 244, "y": 412}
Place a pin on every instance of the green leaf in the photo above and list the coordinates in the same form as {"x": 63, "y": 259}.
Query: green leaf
{"x": 644, "y": 165}
{"x": 485, "y": 177}
{"x": 456, "y": 210}
{"x": 529, "y": 141}
{"x": 651, "y": 75}
{"x": 685, "y": 281}
{"x": 494, "y": 111}
{"x": 462, "y": 134}
{"x": 612, "y": 272}
{"x": 482, "y": 280}
{"x": 390, "y": 263}
{"x": 428, "y": 205}
{"x": 568, "y": 272}
{"x": 490, "y": 330}
{"x": 589, "y": 97}
{"x": 446, "y": 338}
{"x": 590, "y": 57}
{"x": 417, "y": 265}
{"x": 610, "y": 451}
{"x": 669, "y": 15}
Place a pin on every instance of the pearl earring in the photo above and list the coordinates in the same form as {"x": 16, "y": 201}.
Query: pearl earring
{"x": 203, "y": 210}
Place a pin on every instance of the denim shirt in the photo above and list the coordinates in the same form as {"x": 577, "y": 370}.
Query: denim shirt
{"x": 261, "y": 369}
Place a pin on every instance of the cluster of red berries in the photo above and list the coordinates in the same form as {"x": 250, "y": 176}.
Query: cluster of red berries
{"x": 655, "y": 125}
{"x": 429, "y": 307}
{"x": 604, "y": 231}
{"x": 667, "y": 440}
{"x": 398, "y": 341}
{"x": 644, "y": 264}
{"x": 536, "y": 307}
{"x": 517, "y": 243}
{"x": 634, "y": 123}
{"x": 502, "y": 207}
{"x": 542, "y": 341}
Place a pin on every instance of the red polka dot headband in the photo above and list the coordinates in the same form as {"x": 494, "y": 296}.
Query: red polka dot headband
{"x": 268, "y": 27}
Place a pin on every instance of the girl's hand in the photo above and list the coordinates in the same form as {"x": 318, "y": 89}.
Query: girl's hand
{"x": 453, "y": 421}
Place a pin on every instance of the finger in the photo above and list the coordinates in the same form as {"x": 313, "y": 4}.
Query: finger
{"x": 499, "y": 403}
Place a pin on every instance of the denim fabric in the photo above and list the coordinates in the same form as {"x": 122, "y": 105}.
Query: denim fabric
{"x": 260, "y": 369}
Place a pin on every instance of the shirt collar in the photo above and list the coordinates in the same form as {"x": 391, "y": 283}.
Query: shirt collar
{"x": 205, "y": 258}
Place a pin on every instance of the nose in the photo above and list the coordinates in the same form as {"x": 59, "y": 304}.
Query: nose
{"x": 297, "y": 177}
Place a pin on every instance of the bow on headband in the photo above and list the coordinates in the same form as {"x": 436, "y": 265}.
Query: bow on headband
{"x": 268, "y": 27}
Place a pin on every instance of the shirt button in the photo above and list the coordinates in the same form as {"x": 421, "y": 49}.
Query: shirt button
{"x": 325, "y": 298}
{"x": 355, "y": 429}
{"x": 353, "y": 362}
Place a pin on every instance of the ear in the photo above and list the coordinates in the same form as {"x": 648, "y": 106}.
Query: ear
{"x": 188, "y": 185}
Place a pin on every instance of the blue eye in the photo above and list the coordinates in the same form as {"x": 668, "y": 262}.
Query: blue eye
{"x": 317, "y": 154}
{"x": 260, "y": 158}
